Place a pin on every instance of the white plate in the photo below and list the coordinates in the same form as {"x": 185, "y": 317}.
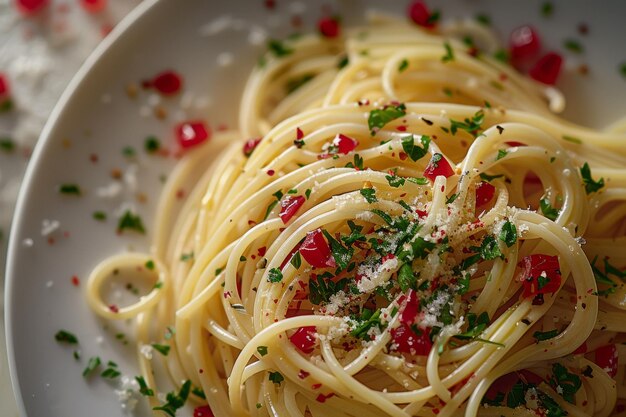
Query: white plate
{"x": 95, "y": 116}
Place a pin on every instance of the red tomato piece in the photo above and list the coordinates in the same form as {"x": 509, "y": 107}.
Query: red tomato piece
{"x": 420, "y": 15}
{"x": 411, "y": 308}
{"x": 94, "y": 6}
{"x": 408, "y": 341}
{"x": 547, "y": 69}
{"x": 315, "y": 250}
{"x": 607, "y": 359}
{"x": 289, "y": 206}
{"x": 484, "y": 193}
{"x": 524, "y": 43}
{"x": 192, "y": 133}
{"x": 345, "y": 144}
{"x": 438, "y": 165}
{"x": 542, "y": 274}
{"x": 30, "y": 7}
{"x": 304, "y": 339}
{"x": 329, "y": 27}
{"x": 167, "y": 82}
{"x": 203, "y": 411}
{"x": 250, "y": 146}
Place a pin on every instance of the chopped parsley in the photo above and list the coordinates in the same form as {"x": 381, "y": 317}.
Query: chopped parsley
{"x": 452, "y": 198}
{"x": 262, "y": 350}
{"x": 501, "y": 55}
{"x": 573, "y": 45}
{"x": 366, "y": 321}
{"x": 7, "y": 145}
{"x": 274, "y": 275}
{"x": 471, "y": 125}
{"x": 341, "y": 254}
{"x": 568, "y": 382}
{"x": 572, "y": 139}
{"x": 130, "y": 221}
{"x": 162, "y": 349}
{"x": 545, "y": 335}
{"x": 358, "y": 164}
{"x": 404, "y": 64}
{"x": 547, "y": 8}
{"x": 296, "y": 260}
{"x": 591, "y": 186}
{"x": 150, "y": 265}
{"x": 99, "y": 215}
{"x": 369, "y": 194}
{"x": 278, "y": 48}
{"x": 278, "y": 194}
{"x": 547, "y": 209}
{"x": 143, "y": 387}
{"x": 93, "y": 363}
{"x": 111, "y": 371}
{"x": 276, "y": 377}
{"x": 66, "y": 337}
{"x": 174, "y": 400}
{"x": 406, "y": 278}
{"x": 501, "y": 154}
{"x": 151, "y": 144}
{"x": 476, "y": 325}
{"x": 415, "y": 152}
{"x": 508, "y": 234}
{"x": 322, "y": 288}
{"x": 489, "y": 249}
{"x": 378, "y": 118}
{"x": 449, "y": 55}
{"x": 294, "y": 83}
{"x": 489, "y": 178}
{"x": 483, "y": 19}
{"x": 186, "y": 256}
{"x": 343, "y": 62}
{"x": 70, "y": 189}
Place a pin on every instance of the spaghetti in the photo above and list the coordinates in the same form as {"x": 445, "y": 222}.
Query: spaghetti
{"x": 415, "y": 234}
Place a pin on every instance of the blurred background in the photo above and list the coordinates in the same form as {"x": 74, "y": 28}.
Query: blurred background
{"x": 42, "y": 45}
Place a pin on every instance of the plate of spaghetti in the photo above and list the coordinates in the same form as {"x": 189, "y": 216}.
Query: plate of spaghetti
{"x": 314, "y": 209}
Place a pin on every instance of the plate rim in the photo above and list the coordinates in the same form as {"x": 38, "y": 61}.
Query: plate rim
{"x": 116, "y": 36}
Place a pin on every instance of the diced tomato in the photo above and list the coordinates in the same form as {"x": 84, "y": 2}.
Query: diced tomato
{"x": 167, "y": 82}
{"x": 547, "y": 69}
{"x": 607, "y": 359}
{"x": 515, "y": 143}
{"x": 192, "y": 133}
{"x": 407, "y": 341}
{"x": 289, "y": 206}
{"x": 484, "y": 193}
{"x": 524, "y": 43}
{"x": 438, "y": 165}
{"x": 421, "y": 213}
{"x": 411, "y": 308}
{"x": 581, "y": 349}
{"x": 420, "y": 15}
{"x": 304, "y": 339}
{"x": 30, "y": 7}
{"x": 345, "y": 144}
{"x": 315, "y": 250}
{"x": 502, "y": 385}
{"x": 542, "y": 274}
{"x": 530, "y": 377}
{"x": 203, "y": 411}
{"x": 250, "y": 146}
{"x": 329, "y": 27}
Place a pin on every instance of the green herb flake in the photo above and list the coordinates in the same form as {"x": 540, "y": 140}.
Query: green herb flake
{"x": 369, "y": 194}
{"x": 591, "y": 186}
{"x": 464, "y": 283}
{"x": 296, "y": 260}
{"x": 198, "y": 392}
{"x": 572, "y": 139}
{"x": 406, "y": 278}
{"x": 278, "y": 48}
{"x": 295, "y": 83}
{"x": 143, "y": 387}
{"x": 573, "y": 45}
{"x": 262, "y": 350}
{"x": 547, "y": 209}
{"x": 276, "y": 377}
{"x": 175, "y": 401}
{"x": 111, "y": 371}
{"x": 378, "y": 118}
{"x": 186, "y": 257}
{"x": 274, "y": 275}
{"x": 93, "y": 363}
{"x": 70, "y": 189}
{"x": 449, "y": 55}
{"x": 162, "y": 349}
{"x": 343, "y": 62}
{"x": 539, "y": 336}
{"x": 508, "y": 234}
{"x": 415, "y": 152}
{"x": 151, "y": 144}
{"x": 99, "y": 216}
{"x": 7, "y": 145}
{"x": 341, "y": 254}
{"x": 503, "y": 56}
{"x": 475, "y": 326}
{"x": 570, "y": 383}
{"x": 489, "y": 178}
{"x": 150, "y": 265}
{"x": 404, "y": 64}
{"x": 132, "y": 222}
{"x": 547, "y": 9}
{"x": 452, "y": 198}
{"x": 622, "y": 69}
{"x": 483, "y": 19}
{"x": 471, "y": 125}
{"x": 501, "y": 154}
{"x": 66, "y": 337}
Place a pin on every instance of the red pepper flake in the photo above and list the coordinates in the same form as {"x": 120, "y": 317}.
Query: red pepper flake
{"x": 315, "y": 250}
{"x": 192, "y": 133}
{"x": 322, "y": 398}
{"x": 401, "y": 128}
{"x": 524, "y": 43}
{"x": 271, "y": 172}
{"x": 167, "y": 83}
{"x": 270, "y": 4}
{"x": 75, "y": 281}
{"x": 303, "y": 374}
{"x": 541, "y": 275}
{"x": 583, "y": 28}
{"x": 180, "y": 194}
{"x": 345, "y": 144}
{"x": 316, "y": 386}
{"x": 547, "y": 69}
{"x": 438, "y": 165}
{"x": 250, "y": 146}
{"x": 262, "y": 250}
{"x": 436, "y": 411}
{"x": 290, "y": 206}
{"x": 4, "y": 88}
{"x": 51, "y": 241}
{"x": 402, "y": 156}
{"x": 93, "y": 158}
{"x": 203, "y": 411}
{"x": 304, "y": 339}
{"x": 201, "y": 370}
{"x": 114, "y": 308}
{"x": 299, "y": 133}
{"x": 30, "y": 7}
{"x": 93, "y": 6}
{"x": 420, "y": 15}
{"x": 329, "y": 27}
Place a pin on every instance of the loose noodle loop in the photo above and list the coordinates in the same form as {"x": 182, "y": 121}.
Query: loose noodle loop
{"x": 237, "y": 293}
